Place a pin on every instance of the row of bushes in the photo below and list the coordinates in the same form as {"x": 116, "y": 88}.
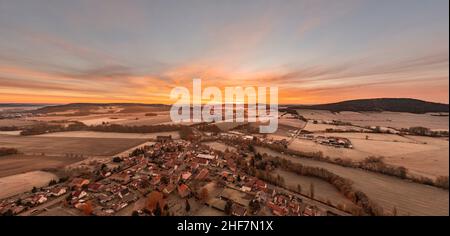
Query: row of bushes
{"x": 41, "y": 129}
{"x": 134, "y": 129}
{"x": 78, "y": 126}
{"x": 342, "y": 184}
{"x": 422, "y": 131}
{"x": 8, "y": 151}
{"x": 9, "y": 128}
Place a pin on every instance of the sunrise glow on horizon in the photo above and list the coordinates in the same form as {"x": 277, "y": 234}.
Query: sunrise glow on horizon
{"x": 137, "y": 51}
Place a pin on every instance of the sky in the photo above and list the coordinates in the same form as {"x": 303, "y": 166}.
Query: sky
{"x": 66, "y": 51}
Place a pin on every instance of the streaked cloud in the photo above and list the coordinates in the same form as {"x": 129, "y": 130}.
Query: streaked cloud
{"x": 136, "y": 51}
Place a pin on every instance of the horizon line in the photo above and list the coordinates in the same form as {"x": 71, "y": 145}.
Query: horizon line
{"x": 169, "y": 104}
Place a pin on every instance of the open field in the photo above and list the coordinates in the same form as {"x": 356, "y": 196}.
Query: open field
{"x": 295, "y": 123}
{"x": 161, "y": 118}
{"x": 94, "y": 134}
{"x": 116, "y": 118}
{"x": 17, "y": 122}
{"x": 383, "y": 119}
{"x": 96, "y": 115}
{"x": 16, "y": 132}
{"x": 99, "y": 121}
{"x": 322, "y": 190}
{"x": 17, "y": 164}
{"x": 322, "y": 127}
{"x": 64, "y": 145}
{"x": 421, "y": 155}
{"x": 432, "y": 162}
{"x": 219, "y": 146}
{"x": 88, "y": 109}
{"x": 20, "y": 183}
{"x": 389, "y": 192}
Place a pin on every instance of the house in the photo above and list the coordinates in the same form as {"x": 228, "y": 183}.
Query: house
{"x": 79, "y": 182}
{"x": 194, "y": 165}
{"x": 58, "y": 191}
{"x": 108, "y": 212}
{"x": 277, "y": 210}
{"x": 309, "y": 211}
{"x": 183, "y": 190}
{"x": 246, "y": 189}
{"x": 238, "y": 210}
{"x": 202, "y": 162}
{"x": 215, "y": 162}
{"x": 281, "y": 199}
{"x": 123, "y": 178}
{"x": 80, "y": 205}
{"x": 95, "y": 187}
{"x": 116, "y": 189}
{"x": 230, "y": 178}
{"x": 169, "y": 189}
{"x": 186, "y": 175}
{"x": 294, "y": 207}
{"x": 224, "y": 174}
{"x": 29, "y": 201}
{"x": 140, "y": 184}
{"x": 155, "y": 180}
{"x": 79, "y": 194}
{"x": 206, "y": 156}
{"x": 39, "y": 199}
{"x": 103, "y": 198}
{"x": 18, "y": 209}
{"x": 170, "y": 164}
{"x": 106, "y": 174}
{"x": 260, "y": 185}
{"x": 119, "y": 206}
{"x": 202, "y": 174}
{"x": 124, "y": 192}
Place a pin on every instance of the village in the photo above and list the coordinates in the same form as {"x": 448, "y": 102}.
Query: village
{"x": 167, "y": 177}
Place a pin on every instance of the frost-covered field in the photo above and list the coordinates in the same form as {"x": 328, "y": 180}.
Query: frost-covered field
{"x": 383, "y": 119}
{"x": 389, "y": 192}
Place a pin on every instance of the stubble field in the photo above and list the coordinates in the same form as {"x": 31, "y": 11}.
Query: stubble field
{"x": 36, "y": 145}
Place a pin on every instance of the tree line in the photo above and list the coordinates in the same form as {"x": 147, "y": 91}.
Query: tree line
{"x": 78, "y": 126}
{"x": 8, "y": 151}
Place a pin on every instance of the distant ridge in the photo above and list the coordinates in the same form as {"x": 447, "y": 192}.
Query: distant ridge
{"x": 107, "y": 104}
{"x": 25, "y": 104}
{"x": 376, "y": 104}
{"x": 380, "y": 104}
{"x": 87, "y": 106}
